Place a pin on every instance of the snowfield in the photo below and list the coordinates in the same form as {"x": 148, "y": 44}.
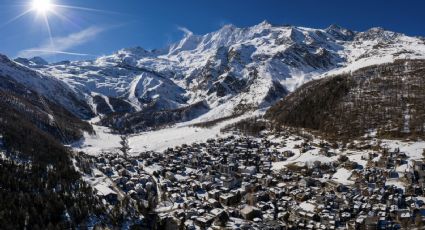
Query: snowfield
{"x": 103, "y": 141}
{"x": 170, "y": 137}
{"x": 342, "y": 176}
{"x": 184, "y": 133}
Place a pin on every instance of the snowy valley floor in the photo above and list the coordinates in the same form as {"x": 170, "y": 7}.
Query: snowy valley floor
{"x": 158, "y": 140}
{"x": 106, "y": 142}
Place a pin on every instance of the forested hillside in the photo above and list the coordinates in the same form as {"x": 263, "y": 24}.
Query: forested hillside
{"x": 39, "y": 187}
{"x": 387, "y": 99}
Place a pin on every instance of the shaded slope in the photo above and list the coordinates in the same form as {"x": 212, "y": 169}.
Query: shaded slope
{"x": 21, "y": 105}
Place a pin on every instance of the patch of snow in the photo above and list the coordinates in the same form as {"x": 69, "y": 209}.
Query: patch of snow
{"x": 357, "y": 157}
{"x": 413, "y": 149}
{"x": 307, "y": 206}
{"x": 342, "y": 176}
{"x": 103, "y": 141}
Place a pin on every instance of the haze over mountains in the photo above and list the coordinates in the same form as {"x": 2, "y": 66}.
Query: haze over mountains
{"x": 205, "y": 77}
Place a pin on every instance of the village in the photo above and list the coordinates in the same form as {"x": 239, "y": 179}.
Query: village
{"x": 238, "y": 182}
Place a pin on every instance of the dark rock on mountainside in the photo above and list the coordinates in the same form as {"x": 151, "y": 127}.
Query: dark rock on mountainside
{"x": 113, "y": 105}
{"x": 388, "y": 99}
{"x": 275, "y": 92}
{"x": 227, "y": 85}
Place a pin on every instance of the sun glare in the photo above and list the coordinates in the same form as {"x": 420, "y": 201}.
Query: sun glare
{"x": 42, "y": 6}
{"x": 46, "y": 10}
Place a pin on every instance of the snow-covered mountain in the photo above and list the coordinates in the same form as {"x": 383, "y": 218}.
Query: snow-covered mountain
{"x": 45, "y": 85}
{"x": 35, "y": 62}
{"x": 233, "y": 69}
{"x": 35, "y": 104}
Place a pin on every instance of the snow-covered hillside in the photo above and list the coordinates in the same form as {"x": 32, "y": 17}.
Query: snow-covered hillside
{"x": 46, "y": 85}
{"x": 232, "y": 69}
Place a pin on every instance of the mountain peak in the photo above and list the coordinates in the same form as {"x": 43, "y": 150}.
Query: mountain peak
{"x": 265, "y": 23}
{"x": 136, "y": 50}
{"x": 378, "y": 33}
{"x": 336, "y": 27}
{"x": 228, "y": 27}
{"x": 32, "y": 62}
{"x": 340, "y": 32}
{"x": 39, "y": 61}
{"x": 262, "y": 25}
{"x": 376, "y": 29}
{"x": 4, "y": 58}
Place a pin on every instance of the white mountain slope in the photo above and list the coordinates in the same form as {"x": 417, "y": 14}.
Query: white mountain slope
{"x": 232, "y": 69}
{"x": 48, "y": 86}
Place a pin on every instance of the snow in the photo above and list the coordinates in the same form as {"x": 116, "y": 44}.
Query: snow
{"x": 306, "y": 206}
{"x": 402, "y": 168}
{"x": 184, "y": 133}
{"x": 104, "y": 189}
{"x": 183, "y": 73}
{"x": 132, "y": 97}
{"x": 357, "y": 157}
{"x": 181, "y": 177}
{"x": 106, "y": 98}
{"x": 167, "y": 207}
{"x": 358, "y": 64}
{"x": 152, "y": 169}
{"x": 299, "y": 158}
{"x": 312, "y": 156}
{"x": 342, "y": 176}
{"x": 406, "y": 120}
{"x": 170, "y": 137}
{"x": 413, "y": 149}
{"x": 43, "y": 83}
{"x": 102, "y": 141}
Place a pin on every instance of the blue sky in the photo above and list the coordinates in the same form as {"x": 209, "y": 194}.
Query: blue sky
{"x": 116, "y": 24}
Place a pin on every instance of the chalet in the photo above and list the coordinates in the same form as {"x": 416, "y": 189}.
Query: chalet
{"x": 250, "y": 212}
{"x": 229, "y": 199}
{"x": 106, "y": 193}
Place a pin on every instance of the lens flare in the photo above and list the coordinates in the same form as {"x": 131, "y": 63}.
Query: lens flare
{"x": 42, "y": 6}
{"x": 47, "y": 10}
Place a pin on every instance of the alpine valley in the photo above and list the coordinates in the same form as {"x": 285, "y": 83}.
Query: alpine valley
{"x": 294, "y": 95}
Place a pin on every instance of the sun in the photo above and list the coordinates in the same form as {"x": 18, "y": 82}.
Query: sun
{"x": 42, "y": 6}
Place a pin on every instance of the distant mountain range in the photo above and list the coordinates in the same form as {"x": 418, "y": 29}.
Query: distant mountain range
{"x": 206, "y": 77}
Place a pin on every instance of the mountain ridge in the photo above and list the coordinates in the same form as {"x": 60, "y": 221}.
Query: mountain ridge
{"x": 230, "y": 68}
